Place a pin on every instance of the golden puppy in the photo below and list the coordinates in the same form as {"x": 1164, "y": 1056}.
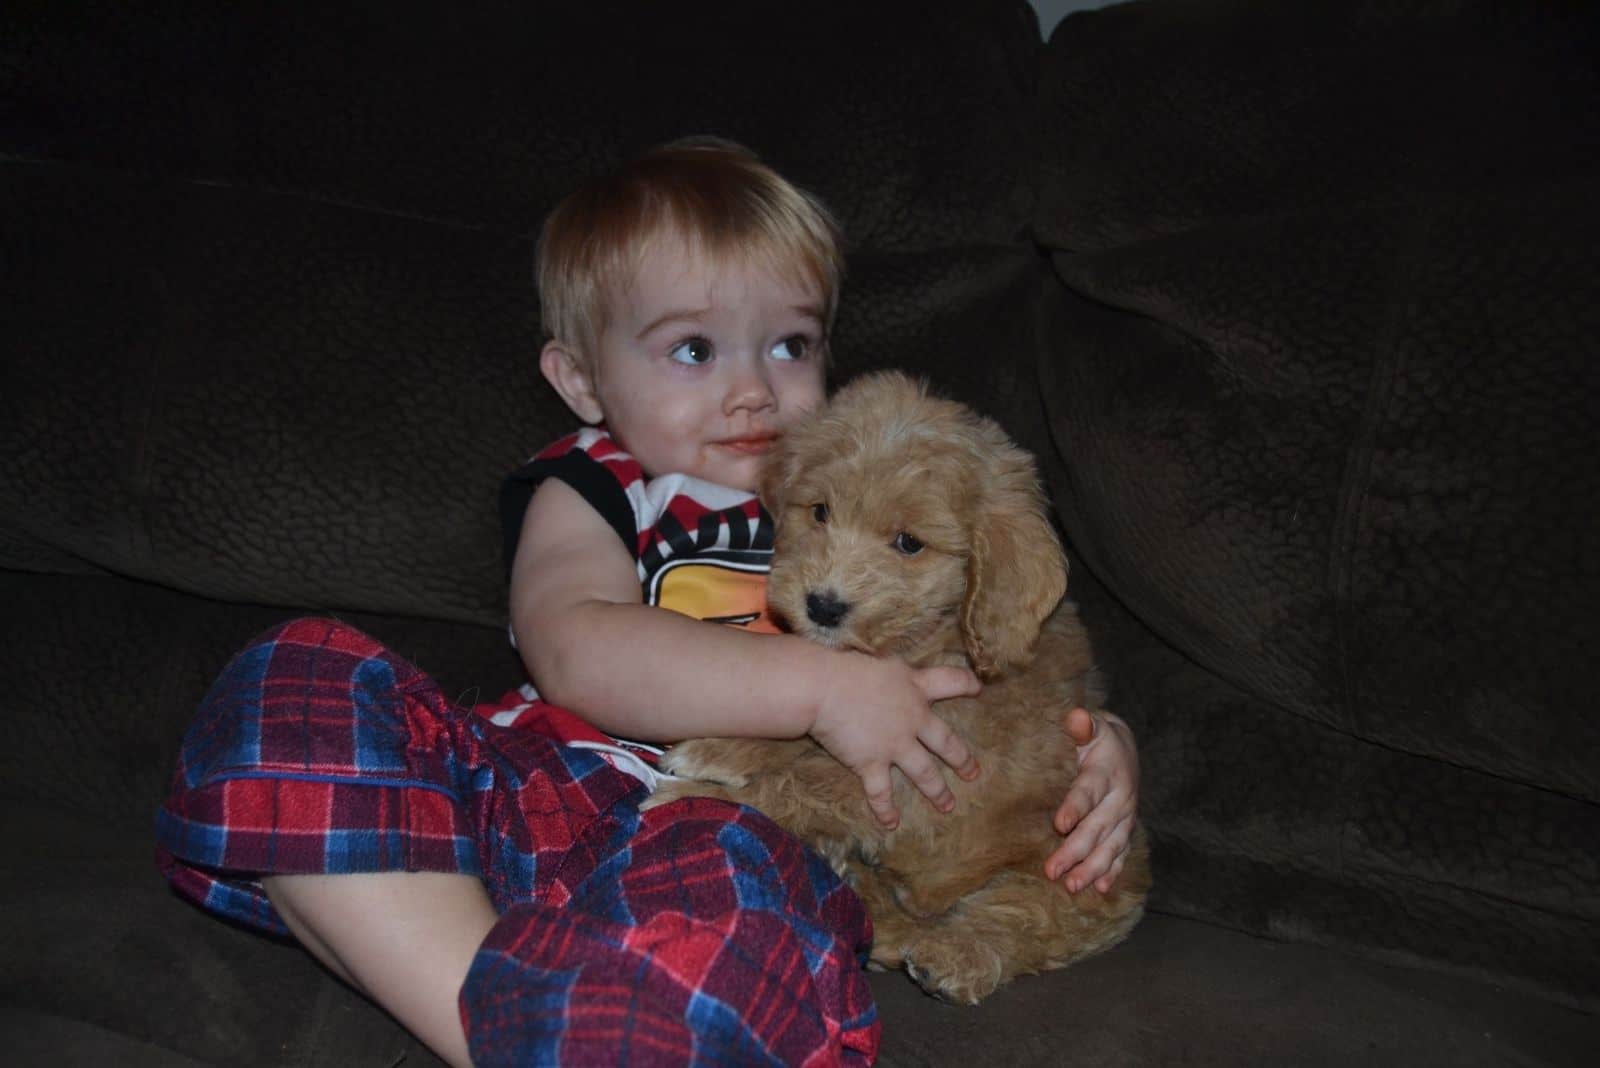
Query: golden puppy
{"x": 912, "y": 526}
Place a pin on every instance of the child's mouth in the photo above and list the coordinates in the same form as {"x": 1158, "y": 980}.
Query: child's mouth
{"x": 752, "y": 446}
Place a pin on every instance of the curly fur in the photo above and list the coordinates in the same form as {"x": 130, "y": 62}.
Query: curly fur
{"x": 960, "y": 900}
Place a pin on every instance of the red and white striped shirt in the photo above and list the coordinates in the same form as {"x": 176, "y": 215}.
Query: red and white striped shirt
{"x": 700, "y": 549}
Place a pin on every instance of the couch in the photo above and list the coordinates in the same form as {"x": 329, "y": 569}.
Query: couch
{"x": 1296, "y": 303}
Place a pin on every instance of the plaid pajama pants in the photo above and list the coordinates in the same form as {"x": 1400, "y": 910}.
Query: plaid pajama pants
{"x": 693, "y": 933}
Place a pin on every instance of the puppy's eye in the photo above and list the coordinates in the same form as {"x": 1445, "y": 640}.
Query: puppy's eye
{"x": 819, "y": 512}
{"x": 906, "y": 544}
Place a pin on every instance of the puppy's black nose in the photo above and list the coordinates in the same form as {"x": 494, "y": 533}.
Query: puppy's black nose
{"x": 825, "y": 609}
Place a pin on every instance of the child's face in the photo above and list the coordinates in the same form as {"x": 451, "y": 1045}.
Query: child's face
{"x": 702, "y": 365}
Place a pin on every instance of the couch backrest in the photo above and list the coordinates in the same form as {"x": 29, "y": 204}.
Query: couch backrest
{"x": 1321, "y": 362}
{"x": 270, "y": 317}
{"x": 1320, "y": 376}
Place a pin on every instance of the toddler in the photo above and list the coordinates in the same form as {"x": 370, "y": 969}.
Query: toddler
{"x": 485, "y": 874}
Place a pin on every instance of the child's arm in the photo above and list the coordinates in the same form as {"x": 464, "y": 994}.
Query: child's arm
{"x": 1098, "y": 814}
{"x": 638, "y": 671}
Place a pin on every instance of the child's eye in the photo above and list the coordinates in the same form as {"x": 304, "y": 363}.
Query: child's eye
{"x": 695, "y": 351}
{"x": 794, "y": 347}
{"x": 906, "y": 544}
{"x": 819, "y": 512}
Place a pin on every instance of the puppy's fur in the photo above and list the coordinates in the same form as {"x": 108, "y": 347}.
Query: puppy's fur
{"x": 959, "y": 900}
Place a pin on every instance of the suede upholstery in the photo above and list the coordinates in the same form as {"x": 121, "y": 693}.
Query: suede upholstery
{"x": 1296, "y": 304}
{"x": 1336, "y": 449}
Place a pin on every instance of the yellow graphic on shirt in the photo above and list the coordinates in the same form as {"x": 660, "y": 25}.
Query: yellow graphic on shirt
{"x": 717, "y": 592}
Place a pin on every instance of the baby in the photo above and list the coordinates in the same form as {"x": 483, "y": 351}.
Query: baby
{"x": 461, "y": 867}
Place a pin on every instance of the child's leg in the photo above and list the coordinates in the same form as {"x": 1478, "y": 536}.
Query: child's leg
{"x": 317, "y": 751}
{"x": 702, "y": 934}
{"x": 405, "y": 939}
{"x": 320, "y": 756}
{"x": 326, "y": 789}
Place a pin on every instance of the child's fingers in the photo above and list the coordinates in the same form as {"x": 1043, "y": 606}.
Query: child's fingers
{"x": 943, "y": 742}
{"x": 944, "y": 681}
{"x": 880, "y": 794}
{"x": 1068, "y": 815}
{"x": 1072, "y": 852}
{"x": 1088, "y": 790}
{"x": 1101, "y": 866}
{"x": 1099, "y": 862}
{"x": 925, "y": 775}
{"x": 1109, "y": 879}
{"x": 1089, "y": 827}
{"x": 1082, "y": 727}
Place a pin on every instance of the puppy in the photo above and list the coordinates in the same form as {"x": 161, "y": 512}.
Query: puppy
{"x": 911, "y": 526}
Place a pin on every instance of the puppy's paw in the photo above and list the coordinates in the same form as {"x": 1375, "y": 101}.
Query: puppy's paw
{"x": 662, "y": 795}
{"x": 961, "y": 973}
{"x": 888, "y": 953}
{"x": 702, "y": 759}
{"x": 668, "y": 792}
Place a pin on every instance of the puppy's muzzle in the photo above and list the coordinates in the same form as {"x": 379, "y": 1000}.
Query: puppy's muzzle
{"x": 825, "y": 609}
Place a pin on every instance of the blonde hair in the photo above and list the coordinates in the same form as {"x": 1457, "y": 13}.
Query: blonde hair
{"x": 714, "y": 195}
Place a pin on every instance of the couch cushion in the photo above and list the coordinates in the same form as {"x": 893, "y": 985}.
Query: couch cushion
{"x": 1158, "y": 118}
{"x": 909, "y": 117}
{"x": 284, "y": 401}
{"x": 1272, "y": 823}
{"x": 264, "y": 398}
{"x": 102, "y": 962}
{"x": 101, "y": 675}
{"x": 1184, "y": 993}
{"x": 273, "y": 316}
{"x": 1345, "y": 461}
{"x": 105, "y": 965}
{"x": 1323, "y": 423}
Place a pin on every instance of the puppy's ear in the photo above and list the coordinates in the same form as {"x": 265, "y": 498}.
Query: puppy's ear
{"x": 1016, "y": 572}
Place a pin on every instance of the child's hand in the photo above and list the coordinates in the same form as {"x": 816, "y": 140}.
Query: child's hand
{"x": 875, "y": 714}
{"x": 1097, "y": 816}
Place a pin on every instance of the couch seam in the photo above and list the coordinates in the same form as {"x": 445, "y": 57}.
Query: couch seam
{"x": 1356, "y": 480}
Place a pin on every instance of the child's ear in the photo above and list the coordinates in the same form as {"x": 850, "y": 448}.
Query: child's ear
{"x": 570, "y": 377}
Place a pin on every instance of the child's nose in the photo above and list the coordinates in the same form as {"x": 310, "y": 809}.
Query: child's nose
{"x": 749, "y": 390}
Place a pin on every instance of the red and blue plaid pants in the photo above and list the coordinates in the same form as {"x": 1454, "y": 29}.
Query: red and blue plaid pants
{"x": 697, "y": 932}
